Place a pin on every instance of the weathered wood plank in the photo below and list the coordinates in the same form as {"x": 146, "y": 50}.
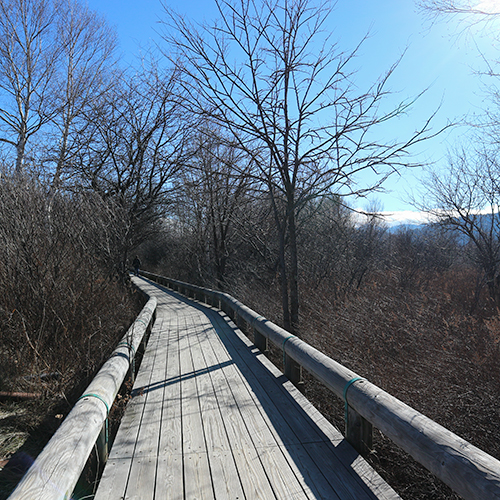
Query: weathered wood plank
{"x": 216, "y": 422}
{"x": 253, "y": 476}
{"x": 256, "y": 421}
{"x": 196, "y": 466}
{"x": 114, "y": 480}
{"x": 282, "y": 475}
{"x": 236, "y": 431}
{"x": 142, "y": 475}
{"x": 170, "y": 479}
{"x": 225, "y": 475}
{"x": 198, "y": 485}
{"x": 317, "y": 481}
{"x": 267, "y": 387}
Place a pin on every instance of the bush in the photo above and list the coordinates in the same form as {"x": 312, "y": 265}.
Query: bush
{"x": 62, "y": 308}
{"x": 420, "y": 343}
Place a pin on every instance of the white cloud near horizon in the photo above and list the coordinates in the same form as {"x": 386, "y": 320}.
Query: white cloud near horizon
{"x": 406, "y": 217}
{"x": 398, "y": 217}
{"x": 412, "y": 217}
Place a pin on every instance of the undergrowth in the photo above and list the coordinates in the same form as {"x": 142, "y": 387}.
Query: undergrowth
{"x": 63, "y": 309}
{"x": 433, "y": 345}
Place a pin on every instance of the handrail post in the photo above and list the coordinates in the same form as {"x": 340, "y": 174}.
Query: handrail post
{"x": 359, "y": 432}
{"x": 292, "y": 371}
{"x": 238, "y": 321}
{"x": 102, "y": 444}
{"x": 261, "y": 341}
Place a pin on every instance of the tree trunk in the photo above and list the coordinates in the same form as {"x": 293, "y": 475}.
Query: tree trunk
{"x": 61, "y": 159}
{"x": 281, "y": 227}
{"x": 293, "y": 275}
{"x": 284, "y": 283}
{"x": 20, "y": 147}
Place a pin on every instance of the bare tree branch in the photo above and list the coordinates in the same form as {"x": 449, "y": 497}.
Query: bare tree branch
{"x": 268, "y": 73}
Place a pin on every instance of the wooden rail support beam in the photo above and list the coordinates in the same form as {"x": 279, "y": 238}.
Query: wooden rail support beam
{"x": 261, "y": 341}
{"x": 102, "y": 445}
{"x": 293, "y": 371}
{"x": 359, "y": 432}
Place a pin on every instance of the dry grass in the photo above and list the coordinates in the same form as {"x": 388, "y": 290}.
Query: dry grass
{"x": 421, "y": 344}
{"x": 25, "y": 428}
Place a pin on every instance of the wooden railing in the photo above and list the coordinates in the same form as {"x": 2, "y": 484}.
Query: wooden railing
{"x": 57, "y": 469}
{"x": 469, "y": 471}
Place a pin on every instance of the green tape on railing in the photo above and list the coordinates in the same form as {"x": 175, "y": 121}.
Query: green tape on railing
{"x": 346, "y": 405}
{"x": 129, "y": 346}
{"x": 106, "y": 424}
{"x": 100, "y": 398}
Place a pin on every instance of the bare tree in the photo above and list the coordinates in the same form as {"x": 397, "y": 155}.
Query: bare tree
{"x": 85, "y": 74}
{"x": 134, "y": 146}
{"x": 214, "y": 195}
{"x": 325, "y": 243}
{"x": 55, "y": 58}
{"x": 471, "y": 18}
{"x": 466, "y": 198}
{"x": 466, "y": 195}
{"x": 480, "y": 11}
{"x": 268, "y": 73}
{"x": 57, "y": 277}
{"x": 28, "y": 61}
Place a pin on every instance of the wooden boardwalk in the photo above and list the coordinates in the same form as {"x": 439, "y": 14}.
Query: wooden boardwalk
{"x": 212, "y": 418}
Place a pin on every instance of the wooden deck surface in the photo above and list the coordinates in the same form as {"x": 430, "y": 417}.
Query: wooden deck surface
{"x": 212, "y": 418}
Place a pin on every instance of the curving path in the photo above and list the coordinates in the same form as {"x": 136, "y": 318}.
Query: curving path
{"x": 212, "y": 418}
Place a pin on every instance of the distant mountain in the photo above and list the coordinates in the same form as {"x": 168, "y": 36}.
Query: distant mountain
{"x": 394, "y": 228}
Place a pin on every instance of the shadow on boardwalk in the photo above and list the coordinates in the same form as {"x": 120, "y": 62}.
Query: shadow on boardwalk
{"x": 321, "y": 463}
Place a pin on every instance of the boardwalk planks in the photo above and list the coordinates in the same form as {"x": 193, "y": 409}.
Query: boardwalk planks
{"x": 212, "y": 419}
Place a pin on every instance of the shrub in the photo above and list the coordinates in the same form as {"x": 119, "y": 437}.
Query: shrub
{"x": 62, "y": 308}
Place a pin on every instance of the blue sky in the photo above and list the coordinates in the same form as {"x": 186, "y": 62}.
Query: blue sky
{"x": 436, "y": 58}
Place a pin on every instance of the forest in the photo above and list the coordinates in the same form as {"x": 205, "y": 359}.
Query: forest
{"x": 230, "y": 157}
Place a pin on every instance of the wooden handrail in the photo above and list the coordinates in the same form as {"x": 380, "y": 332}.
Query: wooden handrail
{"x": 466, "y": 469}
{"x": 55, "y": 472}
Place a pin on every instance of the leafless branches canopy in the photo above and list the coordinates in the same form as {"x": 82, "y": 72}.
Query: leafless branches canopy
{"x": 133, "y": 147}
{"x": 28, "y": 60}
{"x": 480, "y": 16}
{"x": 270, "y": 74}
{"x": 484, "y": 9}
{"x": 55, "y": 60}
{"x": 466, "y": 198}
